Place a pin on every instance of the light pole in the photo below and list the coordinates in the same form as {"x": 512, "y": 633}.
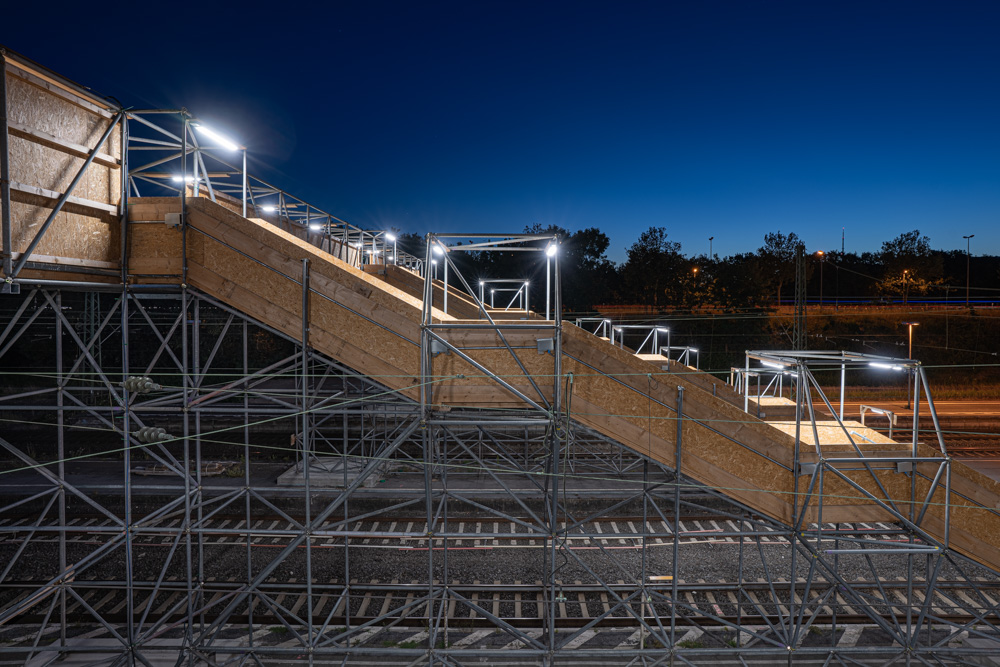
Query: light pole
{"x": 395, "y": 252}
{"x": 909, "y": 354}
{"x": 439, "y": 250}
{"x": 550, "y": 252}
{"x": 822, "y": 261}
{"x": 710, "y": 239}
{"x": 906, "y": 285}
{"x": 968, "y": 245}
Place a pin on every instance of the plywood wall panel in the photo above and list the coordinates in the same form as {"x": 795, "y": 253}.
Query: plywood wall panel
{"x": 72, "y": 234}
{"x": 37, "y": 167}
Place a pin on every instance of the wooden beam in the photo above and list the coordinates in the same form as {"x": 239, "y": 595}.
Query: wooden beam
{"x": 52, "y": 194}
{"x": 55, "y": 88}
{"x": 69, "y": 261}
{"x": 46, "y": 139}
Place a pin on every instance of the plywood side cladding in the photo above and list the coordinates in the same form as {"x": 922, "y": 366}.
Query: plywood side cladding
{"x": 328, "y": 244}
{"x": 72, "y": 235}
{"x": 374, "y": 327}
{"x": 45, "y": 128}
{"x": 460, "y": 305}
{"x": 695, "y": 377}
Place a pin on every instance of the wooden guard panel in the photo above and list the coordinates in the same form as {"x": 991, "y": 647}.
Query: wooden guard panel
{"x": 51, "y": 131}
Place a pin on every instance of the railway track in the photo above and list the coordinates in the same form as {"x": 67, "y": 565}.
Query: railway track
{"x": 519, "y": 604}
{"x": 412, "y": 533}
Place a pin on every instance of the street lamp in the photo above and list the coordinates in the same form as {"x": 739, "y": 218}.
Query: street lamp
{"x": 710, "y": 239}
{"x": 968, "y": 245}
{"x": 822, "y": 261}
{"x": 909, "y": 354}
{"x": 906, "y": 285}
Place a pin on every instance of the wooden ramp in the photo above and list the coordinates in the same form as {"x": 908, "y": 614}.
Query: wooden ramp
{"x": 373, "y": 326}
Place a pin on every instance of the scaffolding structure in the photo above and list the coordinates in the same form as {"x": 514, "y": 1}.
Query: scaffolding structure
{"x": 143, "y": 522}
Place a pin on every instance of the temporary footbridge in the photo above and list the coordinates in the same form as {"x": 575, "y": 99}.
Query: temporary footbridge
{"x": 73, "y": 219}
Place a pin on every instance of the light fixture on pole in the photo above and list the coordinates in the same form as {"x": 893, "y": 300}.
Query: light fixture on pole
{"x": 395, "y": 253}
{"x": 223, "y": 142}
{"x": 911, "y": 325}
{"x": 906, "y": 284}
{"x": 968, "y": 247}
{"x": 710, "y": 254}
{"x": 550, "y": 252}
{"x": 439, "y": 249}
{"x": 909, "y": 354}
{"x": 822, "y": 261}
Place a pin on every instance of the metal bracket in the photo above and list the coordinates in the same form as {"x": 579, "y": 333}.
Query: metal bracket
{"x": 8, "y": 286}
{"x": 807, "y": 468}
{"x": 546, "y": 345}
{"x": 904, "y": 466}
{"x": 437, "y": 347}
{"x": 172, "y": 219}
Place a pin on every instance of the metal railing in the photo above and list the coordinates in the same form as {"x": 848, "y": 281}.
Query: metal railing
{"x": 170, "y": 152}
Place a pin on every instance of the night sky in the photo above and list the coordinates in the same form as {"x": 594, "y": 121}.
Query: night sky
{"x": 724, "y": 119}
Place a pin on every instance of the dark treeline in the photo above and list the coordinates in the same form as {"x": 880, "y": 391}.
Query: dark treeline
{"x": 659, "y": 276}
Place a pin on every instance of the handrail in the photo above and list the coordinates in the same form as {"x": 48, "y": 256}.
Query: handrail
{"x": 169, "y": 157}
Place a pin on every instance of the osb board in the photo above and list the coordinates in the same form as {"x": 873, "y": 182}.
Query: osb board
{"x": 459, "y": 303}
{"x": 264, "y": 238}
{"x": 638, "y": 399}
{"x": 488, "y": 349}
{"x": 77, "y": 232}
{"x": 40, "y": 109}
{"x": 152, "y": 209}
{"x": 638, "y": 376}
{"x": 325, "y": 333}
{"x": 72, "y": 234}
{"x": 45, "y": 274}
{"x": 830, "y": 433}
{"x": 246, "y": 287}
{"x": 697, "y": 461}
{"x": 154, "y": 248}
{"x": 694, "y": 376}
{"x": 972, "y": 529}
{"x": 274, "y": 296}
{"x": 773, "y": 401}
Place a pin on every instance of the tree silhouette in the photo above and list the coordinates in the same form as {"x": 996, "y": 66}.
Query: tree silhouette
{"x": 778, "y": 252}
{"x": 654, "y": 268}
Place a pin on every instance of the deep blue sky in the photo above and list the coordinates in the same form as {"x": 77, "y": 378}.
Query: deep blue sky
{"x": 729, "y": 119}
